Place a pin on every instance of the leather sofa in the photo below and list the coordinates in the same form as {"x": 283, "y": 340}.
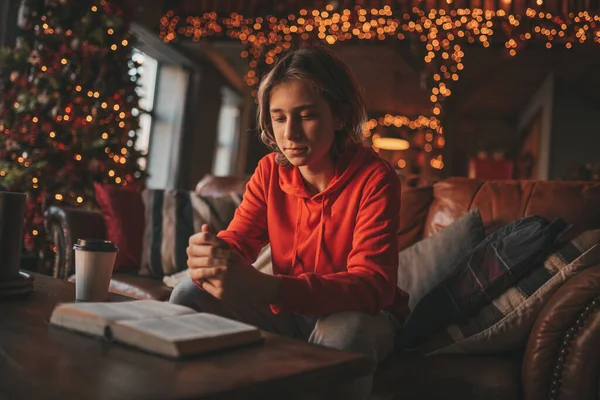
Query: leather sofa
{"x": 561, "y": 359}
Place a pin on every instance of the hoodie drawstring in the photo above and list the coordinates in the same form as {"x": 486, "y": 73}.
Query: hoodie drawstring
{"x": 321, "y": 232}
{"x": 295, "y": 248}
{"x": 319, "y": 239}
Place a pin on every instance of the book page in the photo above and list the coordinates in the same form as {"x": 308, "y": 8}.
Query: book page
{"x": 194, "y": 326}
{"x": 184, "y": 335}
{"x": 93, "y": 318}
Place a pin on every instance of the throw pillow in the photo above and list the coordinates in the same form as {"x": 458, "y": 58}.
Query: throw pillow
{"x": 425, "y": 264}
{"x": 172, "y": 216}
{"x": 485, "y": 272}
{"x": 505, "y": 324}
{"x": 123, "y": 211}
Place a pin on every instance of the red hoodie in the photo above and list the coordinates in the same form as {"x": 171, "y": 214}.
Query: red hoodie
{"x": 334, "y": 251}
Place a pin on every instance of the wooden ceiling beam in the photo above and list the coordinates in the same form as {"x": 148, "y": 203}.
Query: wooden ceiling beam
{"x": 464, "y": 89}
{"x": 410, "y": 53}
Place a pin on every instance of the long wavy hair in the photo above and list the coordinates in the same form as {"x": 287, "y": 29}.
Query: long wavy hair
{"x": 333, "y": 80}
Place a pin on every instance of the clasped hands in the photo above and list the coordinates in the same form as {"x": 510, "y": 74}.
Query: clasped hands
{"x": 226, "y": 275}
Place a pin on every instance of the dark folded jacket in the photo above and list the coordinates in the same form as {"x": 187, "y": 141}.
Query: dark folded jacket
{"x": 483, "y": 274}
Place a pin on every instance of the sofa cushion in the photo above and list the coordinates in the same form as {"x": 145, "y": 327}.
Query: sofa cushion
{"x": 172, "y": 216}
{"x": 414, "y": 207}
{"x": 123, "y": 211}
{"x": 483, "y": 274}
{"x": 505, "y": 324}
{"x": 428, "y": 262}
{"x": 501, "y": 202}
{"x": 216, "y": 186}
{"x": 411, "y": 376}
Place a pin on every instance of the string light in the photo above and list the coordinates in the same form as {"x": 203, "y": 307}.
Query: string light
{"x": 437, "y": 162}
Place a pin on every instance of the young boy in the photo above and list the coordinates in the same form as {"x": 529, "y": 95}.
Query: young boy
{"x": 329, "y": 208}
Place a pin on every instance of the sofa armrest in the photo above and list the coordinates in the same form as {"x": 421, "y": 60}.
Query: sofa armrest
{"x": 562, "y": 357}
{"x": 65, "y": 225}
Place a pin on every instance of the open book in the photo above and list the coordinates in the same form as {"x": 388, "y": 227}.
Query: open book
{"x": 167, "y": 329}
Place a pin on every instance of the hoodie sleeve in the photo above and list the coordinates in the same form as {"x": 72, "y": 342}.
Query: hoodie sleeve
{"x": 369, "y": 284}
{"x": 247, "y": 232}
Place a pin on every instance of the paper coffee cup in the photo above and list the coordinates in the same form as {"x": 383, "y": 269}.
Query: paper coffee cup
{"x": 94, "y": 262}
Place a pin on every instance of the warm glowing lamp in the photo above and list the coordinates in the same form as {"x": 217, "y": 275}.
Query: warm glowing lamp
{"x": 388, "y": 143}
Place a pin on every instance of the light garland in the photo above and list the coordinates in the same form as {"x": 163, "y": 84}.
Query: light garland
{"x": 442, "y": 33}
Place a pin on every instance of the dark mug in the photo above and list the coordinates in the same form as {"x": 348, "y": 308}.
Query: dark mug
{"x": 12, "y": 218}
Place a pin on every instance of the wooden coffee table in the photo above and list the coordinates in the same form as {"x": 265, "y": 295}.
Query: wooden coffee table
{"x": 39, "y": 361}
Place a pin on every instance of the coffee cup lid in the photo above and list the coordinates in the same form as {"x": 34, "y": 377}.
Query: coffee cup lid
{"x": 95, "y": 245}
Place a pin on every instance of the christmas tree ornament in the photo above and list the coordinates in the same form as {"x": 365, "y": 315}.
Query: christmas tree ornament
{"x": 75, "y": 43}
{"x": 43, "y": 98}
{"x": 34, "y": 57}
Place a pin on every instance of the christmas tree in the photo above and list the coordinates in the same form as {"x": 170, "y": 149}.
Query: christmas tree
{"x": 68, "y": 107}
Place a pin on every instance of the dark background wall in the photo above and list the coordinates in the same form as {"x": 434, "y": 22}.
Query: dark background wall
{"x": 576, "y": 131}
{"x": 466, "y": 137}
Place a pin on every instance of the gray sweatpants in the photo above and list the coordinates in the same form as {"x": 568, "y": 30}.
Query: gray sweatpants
{"x": 351, "y": 331}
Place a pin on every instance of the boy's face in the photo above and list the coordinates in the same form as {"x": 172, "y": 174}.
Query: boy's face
{"x": 303, "y": 124}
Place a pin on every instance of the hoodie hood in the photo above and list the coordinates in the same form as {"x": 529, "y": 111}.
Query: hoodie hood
{"x": 291, "y": 182}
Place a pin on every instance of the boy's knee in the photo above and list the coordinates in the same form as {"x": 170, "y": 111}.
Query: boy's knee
{"x": 346, "y": 331}
{"x": 356, "y": 332}
{"x": 186, "y": 293}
